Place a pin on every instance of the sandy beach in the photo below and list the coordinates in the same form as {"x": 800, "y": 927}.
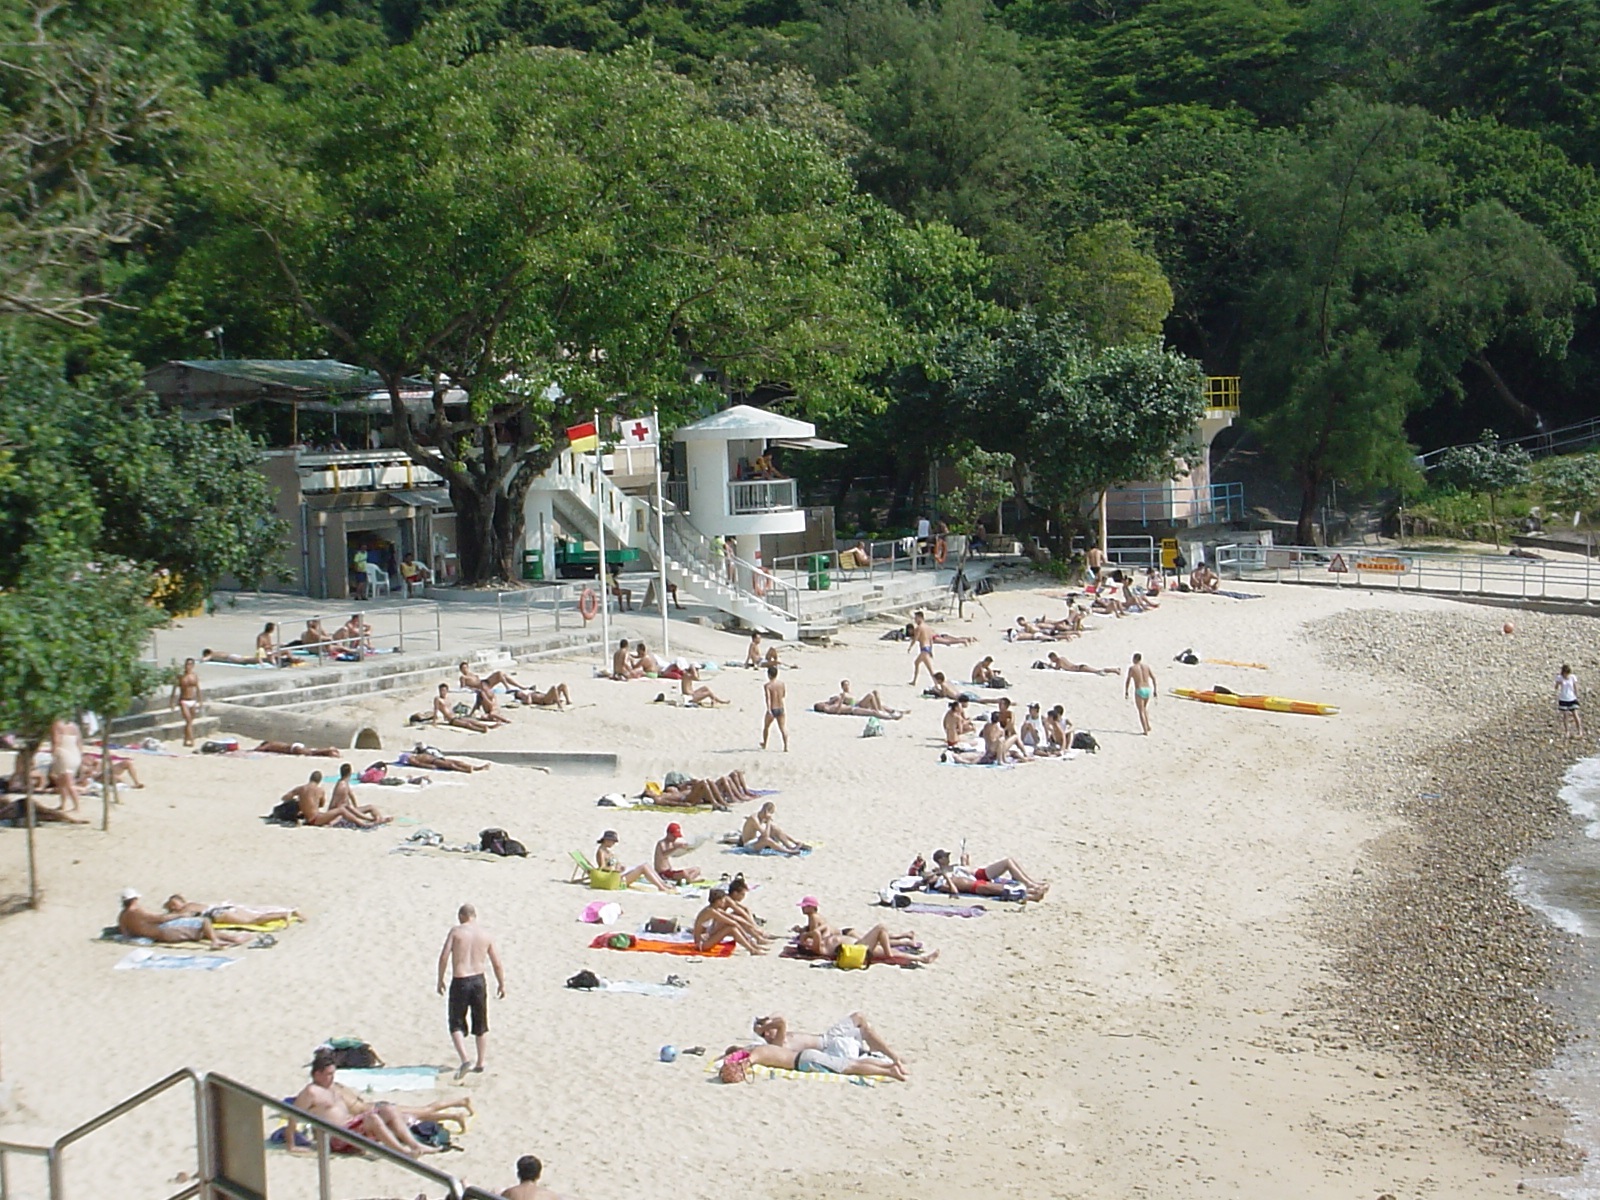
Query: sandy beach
{"x": 1205, "y": 1005}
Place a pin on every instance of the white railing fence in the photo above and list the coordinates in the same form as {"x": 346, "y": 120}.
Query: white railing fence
{"x": 1506, "y": 576}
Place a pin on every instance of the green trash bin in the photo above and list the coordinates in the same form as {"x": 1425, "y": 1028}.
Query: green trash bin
{"x": 817, "y": 573}
{"x": 533, "y": 564}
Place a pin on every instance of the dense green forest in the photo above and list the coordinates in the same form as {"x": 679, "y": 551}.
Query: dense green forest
{"x": 935, "y": 227}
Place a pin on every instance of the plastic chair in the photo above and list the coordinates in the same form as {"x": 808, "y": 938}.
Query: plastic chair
{"x": 377, "y": 581}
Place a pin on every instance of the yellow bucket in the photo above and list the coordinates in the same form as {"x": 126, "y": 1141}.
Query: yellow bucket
{"x": 605, "y": 881}
{"x": 852, "y": 958}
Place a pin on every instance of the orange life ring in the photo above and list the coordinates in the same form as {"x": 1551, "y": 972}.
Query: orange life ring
{"x": 760, "y": 581}
{"x": 939, "y": 551}
{"x": 588, "y": 604}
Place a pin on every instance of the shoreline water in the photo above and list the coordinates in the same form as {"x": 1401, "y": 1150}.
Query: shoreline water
{"x": 1437, "y": 955}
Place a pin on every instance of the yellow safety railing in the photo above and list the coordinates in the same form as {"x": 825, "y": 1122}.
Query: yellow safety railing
{"x": 1222, "y": 393}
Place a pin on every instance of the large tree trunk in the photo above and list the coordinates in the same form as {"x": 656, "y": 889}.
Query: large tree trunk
{"x": 1305, "y": 527}
{"x": 1506, "y": 395}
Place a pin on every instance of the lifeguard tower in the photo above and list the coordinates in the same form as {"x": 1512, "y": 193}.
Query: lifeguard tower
{"x": 729, "y": 488}
{"x": 1190, "y": 499}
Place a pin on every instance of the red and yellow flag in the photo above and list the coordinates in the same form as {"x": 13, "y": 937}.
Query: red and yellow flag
{"x": 582, "y": 437}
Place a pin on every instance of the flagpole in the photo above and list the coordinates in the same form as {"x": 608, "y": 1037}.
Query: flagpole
{"x": 600, "y": 531}
{"x": 661, "y": 537}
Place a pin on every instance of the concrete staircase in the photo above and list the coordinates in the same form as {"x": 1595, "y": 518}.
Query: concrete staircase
{"x": 577, "y": 490}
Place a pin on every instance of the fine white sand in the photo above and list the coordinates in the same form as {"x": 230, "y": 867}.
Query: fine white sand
{"x": 1134, "y": 1035}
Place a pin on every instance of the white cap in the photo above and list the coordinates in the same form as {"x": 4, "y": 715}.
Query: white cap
{"x": 129, "y": 894}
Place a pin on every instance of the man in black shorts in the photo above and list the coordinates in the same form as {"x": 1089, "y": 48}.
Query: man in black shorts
{"x": 467, "y": 947}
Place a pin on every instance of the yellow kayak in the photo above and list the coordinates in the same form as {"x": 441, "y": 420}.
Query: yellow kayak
{"x": 1268, "y": 703}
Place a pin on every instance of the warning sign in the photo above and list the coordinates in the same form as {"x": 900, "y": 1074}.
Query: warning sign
{"x": 1337, "y": 566}
{"x": 1385, "y": 563}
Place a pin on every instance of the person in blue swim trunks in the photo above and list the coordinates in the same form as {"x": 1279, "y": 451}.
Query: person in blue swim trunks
{"x": 1143, "y": 682}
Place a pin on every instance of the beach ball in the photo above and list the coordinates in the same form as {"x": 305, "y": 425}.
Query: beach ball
{"x": 669, "y": 1054}
{"x": 1508, "y": 628}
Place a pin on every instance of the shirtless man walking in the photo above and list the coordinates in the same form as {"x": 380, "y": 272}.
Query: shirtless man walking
{"x": 186, "y": 699}
{"x": 773, "y": 691}
{"x": 922, "y": 642}
{"x": 1143, "y": 682}
{"x": 467, "y": 947}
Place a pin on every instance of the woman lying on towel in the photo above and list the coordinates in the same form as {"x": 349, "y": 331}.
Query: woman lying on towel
{"x": 229, "y": 913}
{"x": 817, "y": 937}
{"x": 996, "y": 879}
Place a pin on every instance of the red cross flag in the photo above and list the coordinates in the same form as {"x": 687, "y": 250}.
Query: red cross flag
{"x": 638, "y": 431}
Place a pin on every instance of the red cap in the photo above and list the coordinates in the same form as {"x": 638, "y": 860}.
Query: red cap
{"x": 674, "y": 830}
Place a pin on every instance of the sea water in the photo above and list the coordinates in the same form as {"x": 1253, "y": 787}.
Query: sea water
{"x": 1561, "y": 880}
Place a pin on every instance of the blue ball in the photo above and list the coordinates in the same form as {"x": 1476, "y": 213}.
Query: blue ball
{"x": 669, "y": 1054}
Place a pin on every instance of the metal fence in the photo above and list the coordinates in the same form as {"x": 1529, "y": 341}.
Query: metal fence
{"x": 1539, "y": 445}
{"x": 392, "y": 626}
{"x": 888, "y": 557}
{"x": 1219, "y": 502}
{"x": 1504, "y": 576}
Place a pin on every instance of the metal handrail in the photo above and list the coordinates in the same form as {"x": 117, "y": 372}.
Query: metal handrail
{"x": 1222, "y": 393}
{"x": 1539, "y": 445}
{"x": 688, "y": 544}
{"x": 416, "y": 609}
{"x": 1220, "y": 501}
{"x": 746, "y": 496}
{"x": 326, "y": 1129}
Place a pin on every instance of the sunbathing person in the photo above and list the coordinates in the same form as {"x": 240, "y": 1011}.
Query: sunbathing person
{"x": 238, "y": 660}
{"x": 605, "y": 859}
{"x": 669, "y": 848}
{"x": 229, "y": 913}
{"x": 14, "y": 811}
{"x": 354, "y": 636}
{"x": 958, "y": 727}
{"x": 716, "y": 923}
{"x": 138, "y": 922}
{"x": 1105, "y": 599}
{"x": 444, "y": 711}
{"x": 772, "y": 660}
{"x": 1135, "y": 601}
{"x": 497, "y": 679}
{"x": 623, "y": 666}
{"x": 760, "y": 832}
{"x": 693, "y": 793}
{"x": 694, "y": 692}
{"x": 315, "y": 635}
{"x": 752, "y": 656}
{"x": 433, "y": 759}
{"x": 821, "y": 939}
{"x": 842, "y": 1049}
{"x": 963, "y": 878}
{"x": 344, "y": 800}
{"x": 846, "y": 705}
{"x": 1027, "y": 631}
{"x": 1204, "y": 579}
{"x": 311, "y": 798}
{"x": 488, "y": 703}
{"x": 738, "y": 892}
{"x": 338, "y": 1105}
{"x": 942, "y": 689}
{"x": 297, "y": 749}
{"x": 1058, "y": 731}
{"x": 646, "y": 663}
{"x": 1057, "y": 663}
{"x": 998, "y": 745}
{"x": 555, "y": 697}
{"x": 121, "y": 768}
{"x": 983, "y": 672}
{"x": 1032, "y": 732}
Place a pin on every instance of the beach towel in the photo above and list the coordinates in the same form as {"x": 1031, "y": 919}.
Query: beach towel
{"x": 378, "y": 1080}
{"x": 769, "y": 852}
{"x": 638, "y": 988}
{"x": 950, "y": 762}
{"x": 755, "y": 1072}
{"x": 659, "y": 946}
{"x": 667, "y": 808}
{"x": 792, "y": 950}
{"x": 944, "y": 910}
{"x": 250, "y": 666}
{"x": 1241, "y": 595}
{"x": 146, "y": 960}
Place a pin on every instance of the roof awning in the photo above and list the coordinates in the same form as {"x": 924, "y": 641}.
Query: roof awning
{"x": 420, "y": 498}
{"x": 809, "y": 443}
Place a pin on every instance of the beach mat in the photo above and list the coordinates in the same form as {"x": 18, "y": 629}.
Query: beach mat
{"x": 148, "y": 960}
{"x": 944, "y": 910}
{"x": 768, "y": 852}
{"x": 378, "y": 1080}
{"x": 895, "y": 960}
{"x": 755, "y": 1072}
{"x": 655, "y": 946}
{"x": 639, "y": 988}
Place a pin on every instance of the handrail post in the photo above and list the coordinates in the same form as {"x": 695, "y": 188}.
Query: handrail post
{"x": 53, "y": 1166}
{"x": 400, "y": 614}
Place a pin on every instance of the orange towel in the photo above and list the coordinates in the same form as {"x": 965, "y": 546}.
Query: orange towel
{"x": 720, "y": 950}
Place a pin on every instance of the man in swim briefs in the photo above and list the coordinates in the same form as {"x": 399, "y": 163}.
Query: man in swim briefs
{"x": 186, "y": 699}
{"x": 922, "y": 643}
{"x": 773, "y": 692}
{"x": 1143, "y": 682}
{"x": 666, "y": 848}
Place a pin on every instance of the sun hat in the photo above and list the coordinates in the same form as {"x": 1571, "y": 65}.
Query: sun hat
{"x": 808, "y": 902}
{"x": 609, "y": 835}
{"x": 129, "y": 894}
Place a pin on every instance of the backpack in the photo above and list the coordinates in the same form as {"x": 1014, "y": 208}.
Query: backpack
{"x": 431, "y": 1133}
{"x": 998, "y": 681}
{"x": 375, "y": 773}
{"x": 585, "y": 980}
{"x": 352, "y": 1054}
{"x": 285, "y": 812}
{"x": 498, "y": 841}
{"x": 874, "y": 728}
{"x": 1082, "y": 739}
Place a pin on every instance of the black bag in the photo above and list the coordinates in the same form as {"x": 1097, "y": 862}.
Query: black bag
{"x": 285, "y": 812}
{"x": 1082, "y": 739}
{"x": 431, "y": 1133}
{"x": 498, "y": 841}
{"x": 585, "y": 980}
{"x": 355, "y": 1058}
{"x": 998, "y": 681}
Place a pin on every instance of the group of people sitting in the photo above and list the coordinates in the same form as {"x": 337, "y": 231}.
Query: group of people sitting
{"x": 310, "y": 804}
{"x": 1002, "y": 737}
{"x": 486, "y": 712}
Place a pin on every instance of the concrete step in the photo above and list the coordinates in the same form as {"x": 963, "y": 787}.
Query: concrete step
{"x": 165, "y": 728}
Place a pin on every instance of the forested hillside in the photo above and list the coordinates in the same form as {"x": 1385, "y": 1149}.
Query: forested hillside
{"x": 896, "y": 217}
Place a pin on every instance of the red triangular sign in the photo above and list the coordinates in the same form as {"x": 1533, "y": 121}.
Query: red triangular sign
{"x": 1337, "y": 566}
